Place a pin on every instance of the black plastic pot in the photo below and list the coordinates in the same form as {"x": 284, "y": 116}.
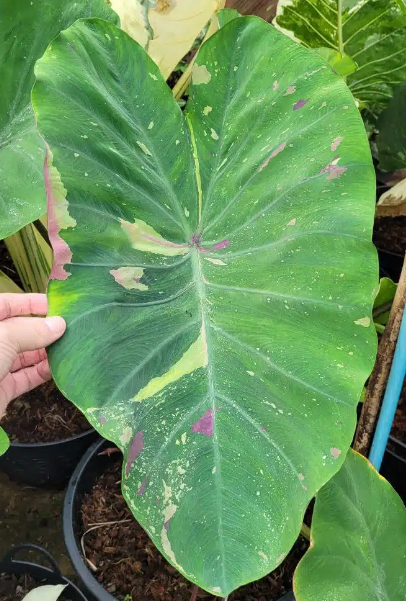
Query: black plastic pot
{"x": 41, "y": 574}
{"x": 90, "y": 467}
{"x": 48, "y": 464}
{"x": 394, "y": 465}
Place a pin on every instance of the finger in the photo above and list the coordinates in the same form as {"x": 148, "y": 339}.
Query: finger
{"x": 19, "y": 382}
{"x": 12, "y": 305}
{"x": 30, "y": 333}
{"x": 28, "y": 358}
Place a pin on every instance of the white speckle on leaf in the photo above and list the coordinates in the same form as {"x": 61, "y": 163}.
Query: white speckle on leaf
{"x": 151, "y": 125}
{"x": 207, "y": 110}
{"x": 86, "y": 174}
{"x": 262, "y": 554}
{"x": 143, "y": 148}
{"x": 290, "y": 90}
{"x": 214, "y": 134}
{"x": 200, "y": 74}
{"x": 250, "y": 373}
{"x": 177, "y": 142}
{"x": 214, "y": 470}
{"x": 301, "y": 477}
{"x": 76, "y": 154}
{"x": 183, "y": 438}
{"x": 186, "y": 212}
{"x": 215, "y": 261}
{"x": 152, "y": 76}
{"x": 126, "y": 436}
{"x": 292, "y": 222}
{"x": 363, "y": 321}
{"x": 235, "y": 68}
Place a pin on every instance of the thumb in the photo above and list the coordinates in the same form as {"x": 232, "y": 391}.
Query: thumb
{"x": 31, "y": 333}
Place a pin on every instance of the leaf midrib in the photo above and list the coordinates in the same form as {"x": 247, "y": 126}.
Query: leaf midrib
{"x": 201, "y": 294}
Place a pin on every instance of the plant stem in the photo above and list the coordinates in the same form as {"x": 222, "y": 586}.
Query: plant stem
{"x": 384, "y": 308}
{"x": 379, "y": 327}
{"x": 305, "y": 531}
{"x": 195, "y": 590}
{"x": 32, "y": 258}
{"x": 377, "y": 381}
{"x": 340, "y": 27}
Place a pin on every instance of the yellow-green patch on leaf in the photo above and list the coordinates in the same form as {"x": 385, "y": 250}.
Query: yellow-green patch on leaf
{"x": 194, "y": 358}
{"x": 143, "y": 237}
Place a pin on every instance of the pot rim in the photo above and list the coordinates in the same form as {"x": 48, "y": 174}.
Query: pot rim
{"x": 27, "y": 445}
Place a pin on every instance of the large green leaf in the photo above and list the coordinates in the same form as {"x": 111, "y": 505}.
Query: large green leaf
{"x": 217, "y": 274}
{"x": 358, "y": 548}
{"x": 391, "y": 140}
{"x": 26, "y": 28}
{"x": 371, "y": 32}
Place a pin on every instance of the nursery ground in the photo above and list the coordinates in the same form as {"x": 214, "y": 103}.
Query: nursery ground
{"x": 33, "y": 515}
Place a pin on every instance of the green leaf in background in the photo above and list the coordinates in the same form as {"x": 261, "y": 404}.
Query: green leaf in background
{"x": 4, "y": 441}
{"x": 26, "y": 28}
{"x": 371, "y": 32}
{"x": 386, "y": 294}
{"x": 226, "y": 15}
{"x": 358, "y": 548}
{"x": 216, "y": 281}
{"x": 341, "y": 63}
{"x": 391, "y": 140}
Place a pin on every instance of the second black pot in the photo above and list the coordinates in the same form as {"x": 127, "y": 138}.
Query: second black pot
{"x": 90, "y": 467}
{"x": 48, "y": 464}
{"x": 39, "y": 573}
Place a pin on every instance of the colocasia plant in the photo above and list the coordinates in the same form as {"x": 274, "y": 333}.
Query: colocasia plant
{"x": 216, "y": 272}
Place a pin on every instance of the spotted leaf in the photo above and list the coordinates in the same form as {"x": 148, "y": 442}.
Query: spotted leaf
{"x": 230, "y": 378}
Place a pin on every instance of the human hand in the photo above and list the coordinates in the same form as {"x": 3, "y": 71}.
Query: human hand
{"x": 23, "y": 360}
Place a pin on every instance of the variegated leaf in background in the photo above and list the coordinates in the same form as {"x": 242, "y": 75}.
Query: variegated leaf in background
{"x": 167, "y": 29}
{"x": 216, "y": 272}
{"x": 371, "y": 32}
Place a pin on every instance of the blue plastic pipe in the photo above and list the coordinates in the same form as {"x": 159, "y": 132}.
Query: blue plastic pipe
{"x": 391, "y": 398}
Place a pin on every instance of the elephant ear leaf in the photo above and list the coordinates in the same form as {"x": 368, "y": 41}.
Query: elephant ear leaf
{"x": 372, "y": 34}
{"x": 358, "y": 539}
{"x": 208, "y": 266}
{"x": 26, "y": 28}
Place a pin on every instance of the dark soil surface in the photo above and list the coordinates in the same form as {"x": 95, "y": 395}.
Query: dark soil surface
{"x": 14, "y": 588}
{"x": 130, "y": 567}
{"x": 399, "y": 424}
{"x": 7, "y": 265}
{"x": 390, "y": 234}
{"x": 43, "y": 415}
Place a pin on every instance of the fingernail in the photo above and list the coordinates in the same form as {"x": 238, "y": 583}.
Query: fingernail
{"x": 57, "y": 325}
